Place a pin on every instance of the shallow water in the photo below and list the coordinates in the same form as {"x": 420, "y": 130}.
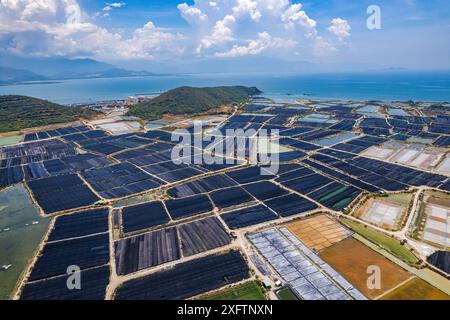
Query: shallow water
{"x": 326, "y": 142}
{"x": 397, "y": 112}
{"x": 17, "y": 213}
{"x": 5, "y": 141}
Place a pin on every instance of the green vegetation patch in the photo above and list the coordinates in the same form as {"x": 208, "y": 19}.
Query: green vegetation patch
{"x": 286, "y": 294}
{"x": 390, "y": 244}
{"x": 416, "y": 289}
{"x": 189, "y": 100}
{"x": 437, "y": 194}
{"x": 247, "y": 291}
{"x": 20, "y": 112}
{"x": 332, "y": 194}
{"x": 402, "y": 199}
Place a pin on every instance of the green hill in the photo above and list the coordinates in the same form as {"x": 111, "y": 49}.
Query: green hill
{"x": 189, "y": 100}
{"x": 19, "y": 112}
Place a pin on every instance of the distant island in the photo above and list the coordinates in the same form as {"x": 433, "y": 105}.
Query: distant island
{"x": 10, "y": 76}
{"x": 20, "y": 112}
{"x": 189, "y": 100}
{"x": 20, "y": 71}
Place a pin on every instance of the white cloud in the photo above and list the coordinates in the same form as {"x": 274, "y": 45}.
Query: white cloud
{"x": 106, "y": 11}
{"x": 148, "y": 41}
{"x": 247, "y": 7}
{"x": 238, "y": 22}
{"x": 295, "y": 16}
{"x": 191, "y": 13}
{"x": 340, "y": 28}
{"x": 322, "y": 47}
{"x": 220, "y": 28}
{"x": 116, "y": 4}
{"x": 221, "y": 33}
{"x": 110, "y": 6}
{"x": 263, "y": 43}
{"x": 59, "y": 28}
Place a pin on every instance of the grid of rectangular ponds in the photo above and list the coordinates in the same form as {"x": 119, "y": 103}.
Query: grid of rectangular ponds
{"x": 94, "y": 283}
{"x": 249, "y": 216}
{"x": 299, "y": 267}
{"x": 387, "y": 176}
{"x": 290, "y": 204}
{"x": 85, "y": 252}
{"x": 380, "y": 181}
{"x": 190, "y": 206}
{"x": 60, "y": 193}
{"x": 250, "y": 174}
{"x": 55, "y": 133}
{"x": 158, "y": 247}
{"x": 156, "y": 159}
{"x": 41, "y": 159}
{"x": 34, "y": 152}
{"x": 120, "y": 180}
{"x": 63, "y": 165}
{"x": 228, "y": 197}
{"x": 143, "y": 216}
{"x": 79, "y": 224}
{"x": 359, "y": 144}
{"x": 341, "y": 176}
{"x": 187, "y": 279}
{"x": 80, "y": 239}
{"x": 202, "y": 235}
{"x": 202, "y": 185}
{"x": 146, "y": 250}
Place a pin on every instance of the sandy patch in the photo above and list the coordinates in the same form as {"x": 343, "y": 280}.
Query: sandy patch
{"x": 318, "y": 232}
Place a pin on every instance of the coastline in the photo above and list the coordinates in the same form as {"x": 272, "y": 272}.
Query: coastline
{"x": 424, "y": 87}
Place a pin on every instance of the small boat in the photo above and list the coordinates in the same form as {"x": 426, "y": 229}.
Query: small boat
{"x": 6, "y": 267}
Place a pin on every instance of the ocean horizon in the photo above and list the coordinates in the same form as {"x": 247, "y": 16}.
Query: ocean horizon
{"x": 425, "y": 86}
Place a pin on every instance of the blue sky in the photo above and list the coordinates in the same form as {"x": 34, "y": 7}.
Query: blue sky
{"x": 228, "y": 35}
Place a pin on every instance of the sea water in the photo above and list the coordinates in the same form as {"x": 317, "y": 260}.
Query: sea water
{"x": 285, "y": 87}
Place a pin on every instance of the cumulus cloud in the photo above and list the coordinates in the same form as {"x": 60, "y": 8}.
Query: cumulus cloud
{"x": 222, "y": 33}
{"x": 191, "y": 13}
{"x": 295, "y": 16}
{"x": 340, "y": 28}
{"x": 247, "y": 7}
{"x": 237, "y": 24}
{"x": 217, "y": 28}
{"x": 59, "y": 28}
{"x": 263, "y": 43}
{"x": 148, "y": 41}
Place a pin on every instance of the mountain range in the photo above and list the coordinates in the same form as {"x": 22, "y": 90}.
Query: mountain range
{"x": 14, "y": 69}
